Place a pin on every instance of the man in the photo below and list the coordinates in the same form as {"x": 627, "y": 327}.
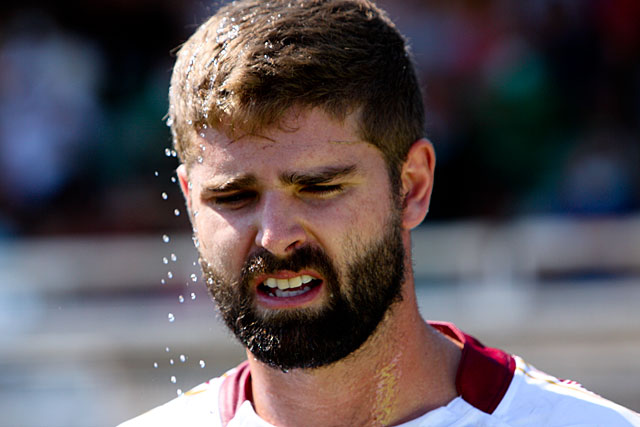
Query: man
{"x": 299, "y": 127}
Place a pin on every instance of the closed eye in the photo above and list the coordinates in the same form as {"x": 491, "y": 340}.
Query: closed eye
{"x": 322, "y": 190}
{"x": 234, "y": 200}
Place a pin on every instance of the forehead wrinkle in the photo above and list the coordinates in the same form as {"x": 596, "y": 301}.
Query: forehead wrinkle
{"x": 252, "y": 135}
{"x": 347, "y": 141}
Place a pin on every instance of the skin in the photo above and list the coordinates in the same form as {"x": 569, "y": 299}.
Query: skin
{"x": 405, "y": 368}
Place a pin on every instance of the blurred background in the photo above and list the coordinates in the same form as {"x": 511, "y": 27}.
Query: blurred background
{"x": 532, "y": 242}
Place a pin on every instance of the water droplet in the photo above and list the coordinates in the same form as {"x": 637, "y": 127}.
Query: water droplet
{"x": 189, "y": 122}
{"x": 155, "y": 364}
{"x": 165, "y": 238}
{"x": 169, "y": 275}
{"x": 190, "y": 185}
{"x": 165, "y": 196}
{"x": 174, "y": 153}
{"x": 171, "y": 362}
{"x": 165, "y": 260}
{"x": 202, "y": 147}
{"x": 171, "y": 317}
{"x": 194, "y": 278}
{"x": 200, "y": 159}
{"x": 173, "y": 379}
{"x": 179, "y": 392}
{"x": 174, "y": 258}
{"x": 183, "y": 358}
{"x": 180, "y": 299}
{"x": 202, "y": 364}
{"x": 156, "y": 173}
{"x": 167, "y": 152}
{"x": 193, "y": 296}
{"x": 195, "y": 213}
{"x": 196, "y": 242}
{"x": 167, "y": 349}
{"x": 210, "y": 281}
{"x": 176, "y": 212}
{"x": 169, "y": 121}
{"x": 202, "y": 135}
{"x": 173, "y": 179}
{"x": 163, "y": 281}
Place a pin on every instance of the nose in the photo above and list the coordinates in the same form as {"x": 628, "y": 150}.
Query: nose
{"x": 280, "y": 229}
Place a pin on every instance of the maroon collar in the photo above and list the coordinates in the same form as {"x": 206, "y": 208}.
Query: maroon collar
{"x": 483, "y": 376}
{"x": 235, "y": 389}
{"x": 484, "y": 373}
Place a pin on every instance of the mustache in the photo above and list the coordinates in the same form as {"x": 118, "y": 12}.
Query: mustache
{"x": 264, "y": 262}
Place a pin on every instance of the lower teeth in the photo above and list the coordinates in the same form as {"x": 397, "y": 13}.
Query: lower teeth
{"x": 288, "y": 294}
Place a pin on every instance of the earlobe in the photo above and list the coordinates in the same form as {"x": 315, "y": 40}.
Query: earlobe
{"x": 417, "y": 182}
{"x": 183, "y": 179}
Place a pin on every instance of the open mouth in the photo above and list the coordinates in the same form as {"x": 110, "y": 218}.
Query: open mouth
{"x": 288, "y": 288}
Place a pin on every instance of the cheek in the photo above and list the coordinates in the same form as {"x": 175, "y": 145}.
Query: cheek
{"x": 365, "y": 211}
{"x": 222, "y": 244}
{"x": 361, "y": 219}
{"x": 328, "y": 224}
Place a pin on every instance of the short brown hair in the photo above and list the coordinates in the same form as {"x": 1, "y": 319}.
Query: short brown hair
{"x": 253, "y": 60}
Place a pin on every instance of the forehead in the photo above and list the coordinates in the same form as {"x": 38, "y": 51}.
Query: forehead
{"x": 303, "y": 140}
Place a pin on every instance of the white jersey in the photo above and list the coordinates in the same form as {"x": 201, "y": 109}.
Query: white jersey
{"x": 494, "y": 389}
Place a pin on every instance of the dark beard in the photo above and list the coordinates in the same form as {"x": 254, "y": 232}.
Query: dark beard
{"x": 308, "y": 338}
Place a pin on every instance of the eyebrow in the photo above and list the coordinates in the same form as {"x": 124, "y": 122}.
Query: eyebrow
{"x": 234, "y": 184}
{"x": 322, "y": 176}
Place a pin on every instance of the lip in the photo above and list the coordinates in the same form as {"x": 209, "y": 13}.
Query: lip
{"x": 299, "y": 301}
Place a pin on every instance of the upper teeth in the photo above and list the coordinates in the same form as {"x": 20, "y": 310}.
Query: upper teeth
{"x": 293, "y": 282}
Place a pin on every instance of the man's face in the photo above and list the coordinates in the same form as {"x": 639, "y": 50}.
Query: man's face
{"x": 299, "y": 237}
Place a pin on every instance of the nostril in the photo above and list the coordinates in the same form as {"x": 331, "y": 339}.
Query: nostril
{"x": 293, "y": 246}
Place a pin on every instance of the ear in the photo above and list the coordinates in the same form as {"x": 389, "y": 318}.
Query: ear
{"x": 417, "y": 182}
{"x": 183, "y": 179}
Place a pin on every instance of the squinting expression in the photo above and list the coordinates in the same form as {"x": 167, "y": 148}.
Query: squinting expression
{"x": 300, "y": 240}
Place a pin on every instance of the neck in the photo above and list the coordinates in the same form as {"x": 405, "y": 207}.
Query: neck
{"x": 404, "y": 370}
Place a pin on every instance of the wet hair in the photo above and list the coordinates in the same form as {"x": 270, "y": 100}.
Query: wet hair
{"x": 255, "y": 60}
